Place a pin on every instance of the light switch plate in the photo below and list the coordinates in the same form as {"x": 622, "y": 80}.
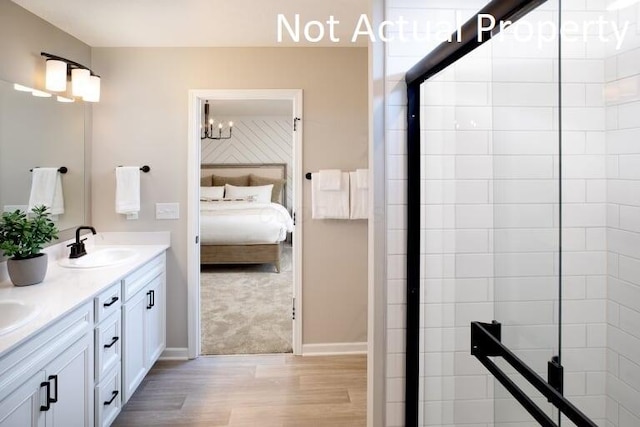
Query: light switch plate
{"x": 167, "y": 210}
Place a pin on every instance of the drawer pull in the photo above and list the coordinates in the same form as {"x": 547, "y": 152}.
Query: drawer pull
{"x": 152, "y": 299}
{"x": 113, "y": 341}
{"x": 54, "y": 378}
{"x": 114, "y": 394}
{"x": 110, "y": 303}
{"x": 47, "y": 405}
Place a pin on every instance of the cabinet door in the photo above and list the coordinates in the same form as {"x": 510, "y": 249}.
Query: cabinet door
{"x": 155, "y": 333}
{"x": 134, "y": 358}
{"x": 22, "y": 407}
{"x": 71, "y": 385}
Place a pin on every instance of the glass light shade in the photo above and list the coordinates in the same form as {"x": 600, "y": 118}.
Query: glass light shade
{"x": 93, "y": 90}
{"x": 64, "y": 99}
{"x": 56, "y": 77}
{"x": 40, "y": 94}
{"x": 79, "y": 81}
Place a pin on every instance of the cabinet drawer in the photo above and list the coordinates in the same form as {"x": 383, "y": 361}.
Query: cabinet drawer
{"x": 141, "y": 277}
{"x": 108, "y": 336}
{"x": 108, "y": 302}
{"x": 108, "y": 395}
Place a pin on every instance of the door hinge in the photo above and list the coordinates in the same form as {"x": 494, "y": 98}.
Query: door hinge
{"x": 295, "y": 123}
{"x": 293, "y": 309}
{"x": 294, "y": 218}
{"x": 197, "y": 239}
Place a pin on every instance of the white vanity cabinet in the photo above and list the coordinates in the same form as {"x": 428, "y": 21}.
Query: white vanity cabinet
{"x": 144, "y": 322}
{"x": 48, "y": 381}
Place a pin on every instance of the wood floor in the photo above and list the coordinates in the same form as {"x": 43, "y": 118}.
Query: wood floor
{"x": 256, "y": 390}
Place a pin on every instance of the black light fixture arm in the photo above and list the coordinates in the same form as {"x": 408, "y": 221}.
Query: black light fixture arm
{"x": 72, "y": 64}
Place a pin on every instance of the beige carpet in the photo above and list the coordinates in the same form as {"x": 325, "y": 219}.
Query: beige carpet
{"x": 246, "y": 309}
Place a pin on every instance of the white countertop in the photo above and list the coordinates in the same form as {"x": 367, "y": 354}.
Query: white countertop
{"x": 64, "y": 289}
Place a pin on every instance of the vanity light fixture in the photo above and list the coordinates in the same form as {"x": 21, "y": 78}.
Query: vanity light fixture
{"x": 207, "y": 126}
{"x": 40, "y": 94}
{"x": 65, "y": 99}
{"x": 84, "y": 82}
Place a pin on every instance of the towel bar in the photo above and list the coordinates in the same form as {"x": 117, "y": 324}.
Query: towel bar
{"x": 61, "y": 169}
{"x": 144, "y": 168}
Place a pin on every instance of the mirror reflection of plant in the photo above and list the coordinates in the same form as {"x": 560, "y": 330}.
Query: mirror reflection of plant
{"x": 23, "y": 237}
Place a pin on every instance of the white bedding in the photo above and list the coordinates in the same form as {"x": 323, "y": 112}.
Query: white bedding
{"x": 243, "y": 223}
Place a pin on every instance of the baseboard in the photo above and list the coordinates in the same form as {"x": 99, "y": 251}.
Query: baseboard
{"x": 175, "y": 353}
{"x": 330, "y": 349}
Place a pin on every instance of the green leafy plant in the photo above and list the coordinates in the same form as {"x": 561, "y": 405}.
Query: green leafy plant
{"x": 23, "y": 237}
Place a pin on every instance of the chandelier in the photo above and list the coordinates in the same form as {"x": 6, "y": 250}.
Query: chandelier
{"x": 207, "y": 127}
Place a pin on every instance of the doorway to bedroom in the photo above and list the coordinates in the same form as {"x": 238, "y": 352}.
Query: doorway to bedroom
{"x": 248, "y": 246}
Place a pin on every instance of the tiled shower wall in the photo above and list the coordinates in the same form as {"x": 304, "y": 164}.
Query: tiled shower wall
{"x": 623, "y": 232}
{"x": 456, "y": 390}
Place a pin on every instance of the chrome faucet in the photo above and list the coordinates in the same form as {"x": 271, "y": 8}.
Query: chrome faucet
{"x": 77, "y": 248}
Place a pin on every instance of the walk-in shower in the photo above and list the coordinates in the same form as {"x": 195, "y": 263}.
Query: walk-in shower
{"x": 507, "y": 221}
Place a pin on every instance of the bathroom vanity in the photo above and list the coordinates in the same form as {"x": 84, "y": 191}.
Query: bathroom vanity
{"x": 89, "y": 338}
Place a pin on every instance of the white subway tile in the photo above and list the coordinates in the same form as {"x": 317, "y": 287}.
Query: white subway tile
{"x": 527, "y": 167}
{"x": 630, "y": 323}
{"x": 596, "y": 191}
{"x": 579, "y": 263}
{"x": 627, "y": 419}
{"x": 474, "y": 216}
{"x": 525, "y": 240}
{"x": 597, "y": 335}
{"x": 597, "y": 238}
{"x": 474, "y": 265}
{"x": 524, "y": 264}
{"x": 584, "y": 215}
{"x": 586, "y": 311}
{"x": 524, "y": 216}
{"x": 526, "y": 191}
{"x": 517, "y": 118}
{"x": 519, "y": 142}
{"x": 584, "y": 166}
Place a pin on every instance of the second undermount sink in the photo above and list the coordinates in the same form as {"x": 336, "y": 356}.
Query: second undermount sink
{"x": 100, "y": 258}
{"x": 14, "y": 314}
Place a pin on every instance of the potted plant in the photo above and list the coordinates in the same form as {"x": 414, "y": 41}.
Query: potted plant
{"x": 22, "y": 238}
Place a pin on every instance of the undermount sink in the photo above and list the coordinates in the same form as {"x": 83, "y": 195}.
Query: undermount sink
{"x": 14, "y": 314}
{"x": 100, "y": 258}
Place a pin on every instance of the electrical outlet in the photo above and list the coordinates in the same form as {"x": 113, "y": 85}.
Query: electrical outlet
{"x": 167, "y": 210}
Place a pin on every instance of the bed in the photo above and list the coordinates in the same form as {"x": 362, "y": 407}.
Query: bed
{"x": 243, "y": 230}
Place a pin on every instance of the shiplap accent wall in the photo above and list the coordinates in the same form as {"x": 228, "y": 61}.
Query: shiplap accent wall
{"x": 255, "y": 139}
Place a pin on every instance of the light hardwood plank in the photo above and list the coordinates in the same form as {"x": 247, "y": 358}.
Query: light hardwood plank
{"x": 252, "y": 390}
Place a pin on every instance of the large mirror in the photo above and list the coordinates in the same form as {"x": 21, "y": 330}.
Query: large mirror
{"x": 41, "y": 132}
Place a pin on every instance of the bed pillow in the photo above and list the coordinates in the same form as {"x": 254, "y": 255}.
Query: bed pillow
{"x": 212, "y": 192}
{"x": 238, "y": 181}
{"x": 255, "y": 180}
{"x": 261, "y": 194}
{"x": 206, "y": 181}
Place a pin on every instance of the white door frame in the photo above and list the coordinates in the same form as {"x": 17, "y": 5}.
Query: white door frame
{"x": 196, "y": 97}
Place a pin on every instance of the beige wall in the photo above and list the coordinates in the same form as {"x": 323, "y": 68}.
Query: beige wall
{"x": 142, "y": 119}
{"x": 22, "y": 37}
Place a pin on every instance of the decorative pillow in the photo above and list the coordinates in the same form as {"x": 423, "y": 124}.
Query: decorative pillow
{"x": 211, "y": 192}
{"x": 206, "y": 181}
{"x": 261, "y": 194}
{"x": 255, "y": 180}
{"x": 238, "y": 181}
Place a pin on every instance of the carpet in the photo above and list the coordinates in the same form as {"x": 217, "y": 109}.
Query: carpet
{"x": 246, "y": 309}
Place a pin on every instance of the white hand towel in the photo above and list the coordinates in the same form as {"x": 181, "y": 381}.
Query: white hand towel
{"x": 127, "y": 189}
{"x": 359, "y": 206}
{"x": 330, "y": 179}
{"x": 362, "y": 180}
{"x": 46, "y": 189}
{"x": 330, "y": 204}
